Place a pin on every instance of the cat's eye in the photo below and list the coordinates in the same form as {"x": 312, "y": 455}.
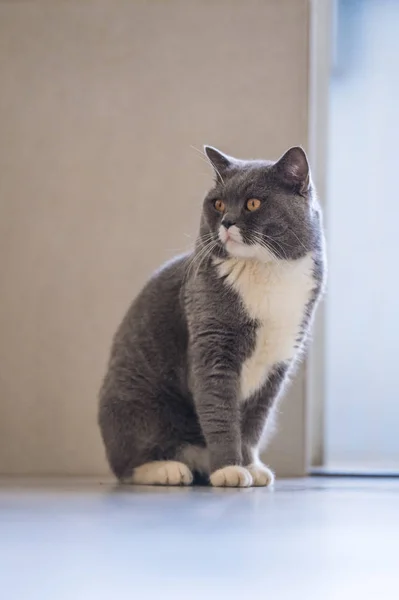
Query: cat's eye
{"x": 219, "y": 205}
{"x": 253, "y": 204}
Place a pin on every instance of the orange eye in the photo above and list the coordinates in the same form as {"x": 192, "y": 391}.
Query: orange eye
{"x": 253, "y": 204}
{"x": 219, "y": 205}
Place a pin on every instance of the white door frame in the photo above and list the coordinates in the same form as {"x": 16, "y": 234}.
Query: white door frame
{"x": 322, "y": 20}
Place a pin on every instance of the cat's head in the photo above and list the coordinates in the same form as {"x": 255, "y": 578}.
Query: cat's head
{"x": 260, "y": 209}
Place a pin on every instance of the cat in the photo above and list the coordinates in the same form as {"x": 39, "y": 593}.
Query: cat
{"x": 207, "y": 347}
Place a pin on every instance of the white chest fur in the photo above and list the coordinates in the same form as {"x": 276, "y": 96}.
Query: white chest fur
{"x": 275, "y": 294}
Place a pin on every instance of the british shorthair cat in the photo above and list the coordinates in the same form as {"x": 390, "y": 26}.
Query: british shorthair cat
{"x": 206, "y": 348}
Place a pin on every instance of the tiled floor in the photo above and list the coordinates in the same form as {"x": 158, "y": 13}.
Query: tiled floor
{"x": 314, "y": 539}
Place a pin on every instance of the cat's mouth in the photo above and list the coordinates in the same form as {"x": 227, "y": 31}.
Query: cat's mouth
{"x": 230, "y": 236}
{"x": 233, "y": 242}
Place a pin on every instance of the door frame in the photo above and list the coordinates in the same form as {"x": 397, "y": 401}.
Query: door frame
{"x": 321, "y": 37}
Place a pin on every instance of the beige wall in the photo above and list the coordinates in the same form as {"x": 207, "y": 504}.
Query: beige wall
{"x": 100, "y": 103}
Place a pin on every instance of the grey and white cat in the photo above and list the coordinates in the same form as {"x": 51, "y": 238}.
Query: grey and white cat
{"x": 204, "y": 351}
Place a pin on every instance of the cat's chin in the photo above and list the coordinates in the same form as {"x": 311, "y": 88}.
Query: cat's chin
{"x": 247, "y": 251}
{"x": 238, "y": 249}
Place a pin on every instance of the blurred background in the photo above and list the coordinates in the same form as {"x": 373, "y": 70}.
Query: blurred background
{"x": 104, "y": 109}
{"x": 362, "y": 328}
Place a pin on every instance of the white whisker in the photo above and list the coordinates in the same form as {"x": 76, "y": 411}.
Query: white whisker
{"x": 264, "y": 238}
{"x": 207, "y": 254}
{"x": 198, "y": 255}
{"x": 302, "y": 244}
{"x": 265, "y": 245}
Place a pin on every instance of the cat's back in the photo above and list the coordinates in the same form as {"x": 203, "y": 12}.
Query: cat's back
{"x": 166, "y": 282}
{"x": 155, "y": 316}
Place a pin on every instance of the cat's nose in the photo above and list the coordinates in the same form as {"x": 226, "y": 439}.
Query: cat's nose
{"x": 228, "y": 223}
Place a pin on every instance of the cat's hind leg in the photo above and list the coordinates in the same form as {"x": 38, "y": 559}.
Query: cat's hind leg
{"x": 142, "y": 440}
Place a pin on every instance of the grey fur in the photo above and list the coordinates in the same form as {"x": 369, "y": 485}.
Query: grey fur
{"x": 173, "y": 376}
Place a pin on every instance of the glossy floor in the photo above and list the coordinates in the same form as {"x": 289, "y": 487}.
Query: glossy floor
{"x": 315, "y": 539}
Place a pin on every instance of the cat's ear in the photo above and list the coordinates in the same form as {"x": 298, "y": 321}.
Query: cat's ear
{"x": 293, "y": 168}
{"x": 220, "y": 162}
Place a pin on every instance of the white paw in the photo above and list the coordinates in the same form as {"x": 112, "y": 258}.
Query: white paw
{"x": 262, "y": 476}
{"x": 233, "y": 476}
{"x": 166, "y": 472}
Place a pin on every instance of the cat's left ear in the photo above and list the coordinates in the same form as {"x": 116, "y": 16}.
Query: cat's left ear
{"x": 220, "y": 162}
{"x": 293, "y": 168}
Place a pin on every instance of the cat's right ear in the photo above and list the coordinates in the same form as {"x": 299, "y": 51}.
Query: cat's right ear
{"x": 220, "y": 162}
{"x": 293, "y": 168}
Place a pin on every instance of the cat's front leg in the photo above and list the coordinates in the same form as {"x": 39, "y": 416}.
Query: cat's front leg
{"x": 253, "y": 437}
{"x": 262, "y": 475}
{"x": 214, "y": 374}
{"x": 257, "y": 423}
